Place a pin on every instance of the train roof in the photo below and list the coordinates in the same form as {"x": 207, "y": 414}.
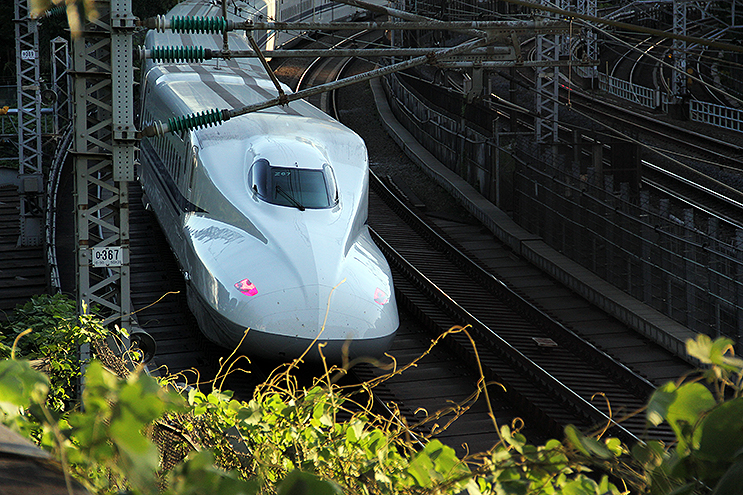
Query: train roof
{"x": 198, "y": 87}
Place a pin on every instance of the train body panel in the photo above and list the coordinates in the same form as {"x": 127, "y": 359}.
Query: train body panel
{"x": 265, "y": 212}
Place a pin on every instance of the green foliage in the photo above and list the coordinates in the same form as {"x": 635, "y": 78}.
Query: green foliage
{"x": 705, "y": 414}
{"x": 288, "y": 440}
{"x": 107, "y": 431}
{"x": 53, "y": 342}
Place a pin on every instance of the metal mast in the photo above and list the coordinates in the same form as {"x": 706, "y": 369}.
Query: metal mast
{"x": 588, "y": 7}
{"x": 104, "y": 158}
{"x": 29, "y": 125}
{"x": 547, "y": 86}
{"x": 61, "y": 84}
{"x": 678, "y": 77}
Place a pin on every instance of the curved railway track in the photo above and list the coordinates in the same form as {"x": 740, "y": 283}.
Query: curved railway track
{"x": 550, "y": 372}
{"x": 536, "y": 332}
{"x": 544, "y": 365}
{"x": 691, "y": 168}
{"x": 694, "y": 165}
{"x": 690, "y": 141}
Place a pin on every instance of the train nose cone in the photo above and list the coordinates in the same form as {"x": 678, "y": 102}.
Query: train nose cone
{"x": 291, "y": 320}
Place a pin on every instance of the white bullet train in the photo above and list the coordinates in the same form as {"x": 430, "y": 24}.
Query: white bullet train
{"x": 265, "y": 212}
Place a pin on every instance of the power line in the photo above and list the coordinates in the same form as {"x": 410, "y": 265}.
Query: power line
{"x": 627, "y": 26}
{"x": 666, "y": 64}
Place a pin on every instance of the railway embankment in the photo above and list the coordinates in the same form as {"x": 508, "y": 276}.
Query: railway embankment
{"x": 646, "y": 320}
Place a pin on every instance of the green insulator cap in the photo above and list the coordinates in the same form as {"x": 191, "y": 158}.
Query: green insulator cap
{"x": 195, "y": 121}
{"x": 54, "y": 11}
{"x": 198, "y": 24}
{"x": 179, "y": 53}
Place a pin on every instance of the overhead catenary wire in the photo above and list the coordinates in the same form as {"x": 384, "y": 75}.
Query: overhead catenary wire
{"x": 215, "y": 116}
{"x": 622, "y": 25}
{"x": 200, "y": 120}
{"x": 666, "y": 64}
{"x": 658, "y": 151}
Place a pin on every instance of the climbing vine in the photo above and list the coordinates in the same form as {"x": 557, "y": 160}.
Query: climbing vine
{"x": 290, "y": 439}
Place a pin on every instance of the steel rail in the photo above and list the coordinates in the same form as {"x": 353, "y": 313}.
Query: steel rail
{"x": 515, "y": 357}
{"x": 52, "y": 189}
{"x": 498, "y": 286}
{"x": 333, "y": 49}
{"x": 696, "y": 186}
{"x": 621, "y": 25}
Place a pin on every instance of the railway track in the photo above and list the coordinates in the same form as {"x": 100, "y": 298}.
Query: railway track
{"x": 528, "y": 334}
{"x": 684, "y": 163}
{"x": 683, "y": 141}
{"x": 549, "y": 371}
{"x": 448, "y": 376}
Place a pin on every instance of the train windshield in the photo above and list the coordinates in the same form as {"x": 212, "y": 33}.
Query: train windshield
{"x": 296, "y": 187}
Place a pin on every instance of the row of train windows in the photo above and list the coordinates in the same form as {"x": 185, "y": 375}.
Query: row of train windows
{"x": 170, "y": 150}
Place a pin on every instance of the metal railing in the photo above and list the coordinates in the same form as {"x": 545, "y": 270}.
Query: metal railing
{"x": 686, "y": 265}
{"x": 705, "y": 113}
{"x": 454, "y": 143}
{"x": 717, "y": 115}
{"x": 647, "y": 97}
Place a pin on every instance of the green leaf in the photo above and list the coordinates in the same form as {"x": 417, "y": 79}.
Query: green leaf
{"x": 681, "y": 406}
{"x": 700, "y": 348}
{"x": 421, "y": 468}
{"x": 597, "y": 448}
{"x": 20, "y": 385}
{"x": 139, "y": 457}
{"x": 299, "y": 483}
{"x": 575, "y": 438}
{"x": 732, "y": 480}
{"x": 714, "y": 352}
{"x": 614, "y": 445}
{"x": 721, "y": 432}
{"x": 580, "y": 486}
{"x": 589, "y": 446}
{"x": 515, "y": 440}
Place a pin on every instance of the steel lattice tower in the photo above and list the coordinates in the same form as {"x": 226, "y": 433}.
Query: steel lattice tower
{"x": 547, "y": 85}
{"x": 61, "y": 84}
{"x": 29, "y": 126}
{"x": 588, "y": 7}
{"x": 678, "y": 77}
{"x": 104, "y": 158}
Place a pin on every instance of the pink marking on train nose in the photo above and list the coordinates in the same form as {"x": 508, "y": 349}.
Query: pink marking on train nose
{"x": 246, "y": 287}
{"x": 380, "y": 297}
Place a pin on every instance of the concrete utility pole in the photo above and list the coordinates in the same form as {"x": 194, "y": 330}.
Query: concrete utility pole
{"x": 29, "y": 126}
{"x": 103, "y": 150}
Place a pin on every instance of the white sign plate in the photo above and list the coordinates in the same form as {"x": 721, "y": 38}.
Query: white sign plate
{"x": 28, "y": 54}
{"x": 106, "y": 256}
